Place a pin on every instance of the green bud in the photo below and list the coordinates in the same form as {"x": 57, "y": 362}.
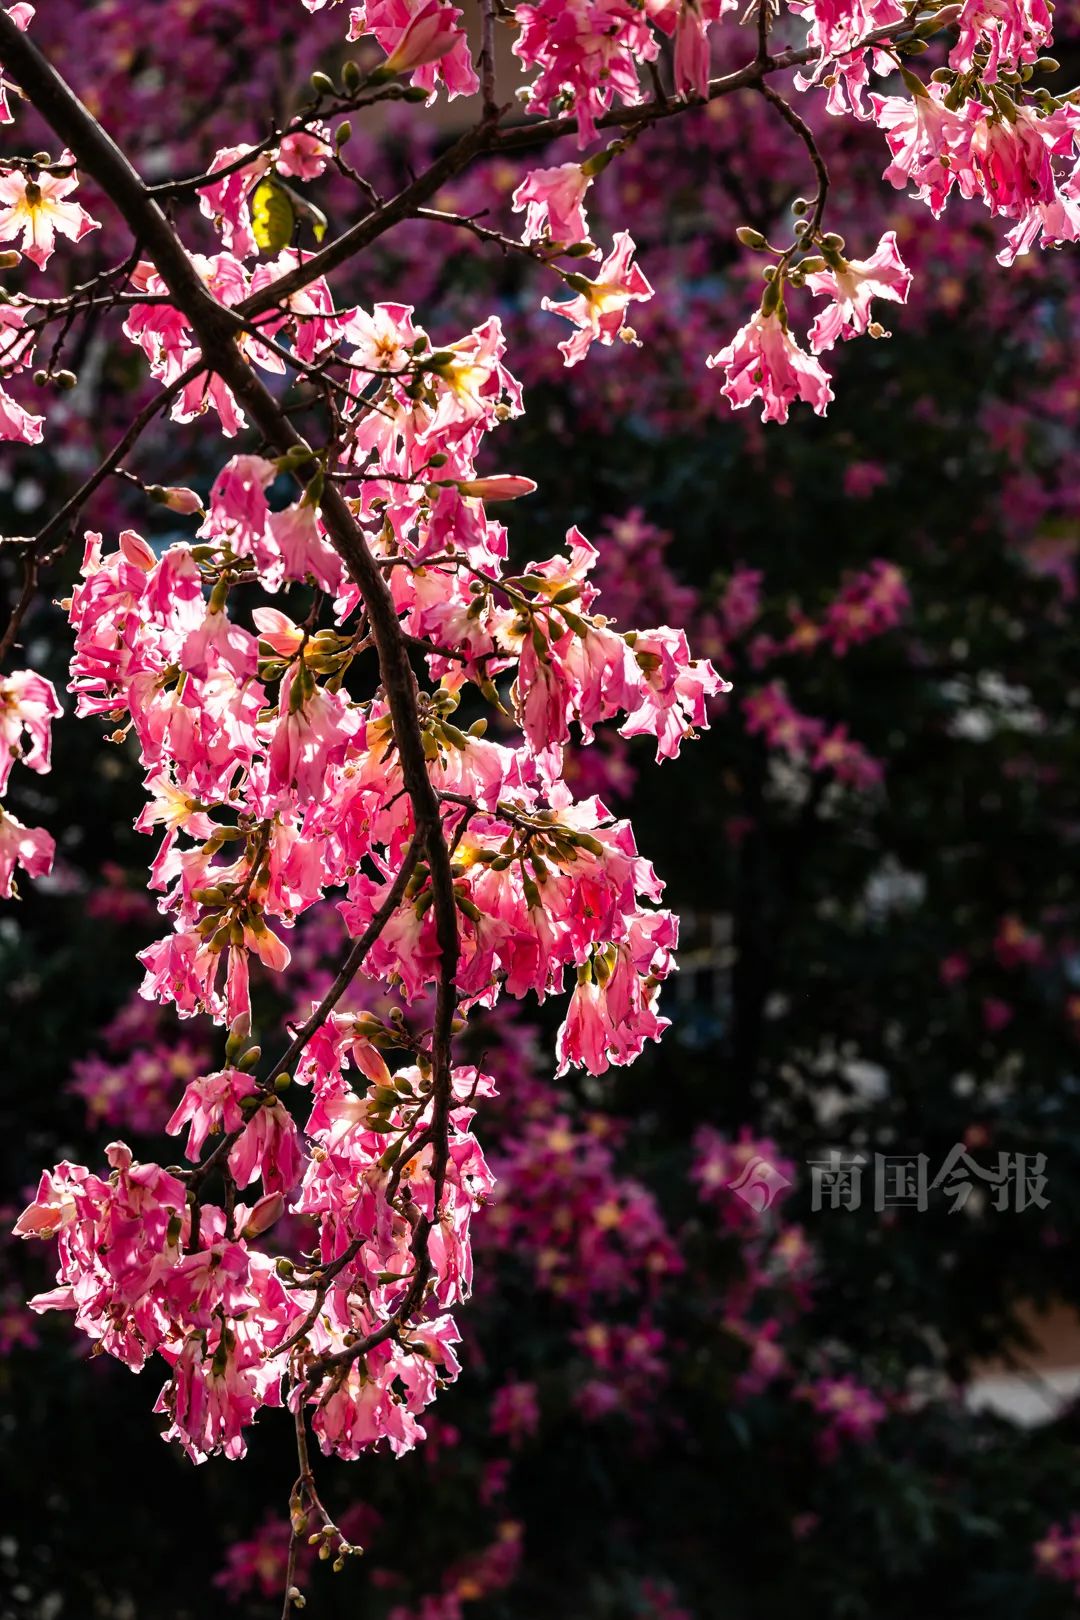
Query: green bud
{"x": 599, "y": 161}
{"x": 750, "y": 238}
{"x": 323, "y": 84}
{"x": 914, "y": 83}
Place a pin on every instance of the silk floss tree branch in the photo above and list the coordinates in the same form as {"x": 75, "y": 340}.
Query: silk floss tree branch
{"x": 286, "y": 769}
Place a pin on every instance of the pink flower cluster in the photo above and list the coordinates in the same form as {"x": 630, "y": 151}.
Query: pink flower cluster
{"x": 130, "y": 1083}
{"x": 146, "y": 1267}
{"x": 851, "y": 1412}
{"x": 1057, "y": 1555}
{"x": 808, "y": 741}
{"x": 423, "y": 38}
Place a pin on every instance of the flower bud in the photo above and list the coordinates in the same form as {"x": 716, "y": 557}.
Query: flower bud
{"x": 269, "y": 1209}
{"x": 500, "y": 487}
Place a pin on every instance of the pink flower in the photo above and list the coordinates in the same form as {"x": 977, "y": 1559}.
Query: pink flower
{"x": 32, "y": 848}
{"x": 689, "y": 20}
{"x": 553, "y": 201}
{"x": 929, "y": 142}
{"x": 312, "y": 733}
{"x": 303, "y": 156}
{"x": 1013, "y": 32}
{"x": 21, "y": 15}
{"x": 996, "y": 1014}
{"x": 226, "y": 201}
{"x": 1016, "y": 946}
{"x": 515, "y": 1412}
{"x": 210, "y": 1106}
{"x": 851, "y": 284}
{"x": 764, "y": 361}
{"x": 38, "y": 208}
{"x": 589, "y": 50}
{"x": 953, "y": 969}
{"x": 28, "y": 704}
{"x": 1057, "y": 1556}
{"x": 17, "y": 424}
{"x": 851, "y": 1411}
{"x": 269, "y": 1147}
{"x": 430, "y": 33}
{"x": 599, "y": 309}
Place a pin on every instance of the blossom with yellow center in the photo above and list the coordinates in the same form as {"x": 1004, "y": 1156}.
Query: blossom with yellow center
{"x": 38, "y": 208}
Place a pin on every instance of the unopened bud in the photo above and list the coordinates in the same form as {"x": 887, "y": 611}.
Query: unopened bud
{"x": 750, "y": 238}
{"x": 599, "y": 161}
{"x": 269, "y": 1209}
{"x": 177, "y": 499}
{"x": 323, "y": 83}
{"x": 9, "y": 258}
{"x": 239, "y": 1033}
